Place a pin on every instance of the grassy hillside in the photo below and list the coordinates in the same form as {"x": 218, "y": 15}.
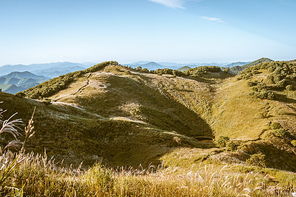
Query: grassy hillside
{"x": 126, "y": 118}
{"x": 117, "y": 109}
{"x": 188, "y": 122}
{"x": 238, "y": 69}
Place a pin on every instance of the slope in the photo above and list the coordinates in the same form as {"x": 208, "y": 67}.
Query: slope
{"x": 130, "y": 117}
{"x": 108, "y": 113}
{"x": 238, "y": 69}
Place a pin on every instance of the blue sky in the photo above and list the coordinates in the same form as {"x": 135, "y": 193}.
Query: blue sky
{"x": 183, "y": 31}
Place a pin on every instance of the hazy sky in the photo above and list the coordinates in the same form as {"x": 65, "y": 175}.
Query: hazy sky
{"x": 184, "y": 31}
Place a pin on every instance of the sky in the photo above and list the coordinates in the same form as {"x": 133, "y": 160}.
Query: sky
{"x": 181, "y": 31}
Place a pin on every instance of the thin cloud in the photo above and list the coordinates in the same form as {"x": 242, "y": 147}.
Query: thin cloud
{"x": 176, "y": 4}
{"x": 218, "y": 20}
{"x": 170, "y": 3}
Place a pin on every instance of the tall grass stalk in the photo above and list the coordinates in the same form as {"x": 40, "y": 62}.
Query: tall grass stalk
{"x": 40, "y": 176}
{"x": 8, "y": 160}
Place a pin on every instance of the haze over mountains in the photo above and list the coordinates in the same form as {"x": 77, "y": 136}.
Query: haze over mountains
{"x": 15, "y": 78}
{"x": 57, "y": 68}
{"x": 19, "y": 81}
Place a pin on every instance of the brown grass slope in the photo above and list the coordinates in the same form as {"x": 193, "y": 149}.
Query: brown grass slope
{"x": 259, "y": 125}
{"x": 128, "y": 118}
{"x": 124, "y": 119}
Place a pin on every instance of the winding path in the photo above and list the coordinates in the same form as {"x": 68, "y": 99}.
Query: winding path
{"x": 87, "y": 83}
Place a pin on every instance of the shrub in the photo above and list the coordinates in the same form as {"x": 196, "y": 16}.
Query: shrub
{"x": 127, "y": 72}
{"x": 201, "y": 70}
{"x": 221, "y": 141}
{"x": 279, "y": 132}
{"x": 20, "y": 94}
{"x": 255, "y": 72}
{"x": 144, "y": 70}
{"x": 276, "y": 125}
{"x": 270, "y": 79}
{"x": 281, "y": 84}
{"x": 178, "y": 73}
{"x": 231, "y": 146}
{"x": 289, "y": 87}
{"x": 264, "y": 94}
{"x": 257, "y": 160}
{"x": 46, "y": 101}
{"x": 271, "y": 69}
{"x": 227, "y": 70}
{"x": 259, "y": 87}
{"x": 139, "y": 68}
{"x": 251, "y": 83}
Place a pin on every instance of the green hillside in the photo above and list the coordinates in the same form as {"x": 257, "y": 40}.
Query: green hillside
{"x": 238, "y": 69}
{"x": 185, "y": 121}
{"x": 117, "y": 110}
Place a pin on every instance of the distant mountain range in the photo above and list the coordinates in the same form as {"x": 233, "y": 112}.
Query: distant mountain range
{"x": 20, "y": 77}
{"x": 49, "y": 70}
{"x": 18, "y": 81}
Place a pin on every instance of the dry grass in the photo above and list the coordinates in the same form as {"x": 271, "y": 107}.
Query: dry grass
{"x": 42, "y": 177}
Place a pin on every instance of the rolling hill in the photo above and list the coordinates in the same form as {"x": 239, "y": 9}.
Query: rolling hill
{"x": 238, "y": 69}
{"x": 126, "y": 117}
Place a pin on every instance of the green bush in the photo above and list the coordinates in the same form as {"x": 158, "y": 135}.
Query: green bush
{"x": 257, "y": 160}
{"x": 270, "y": 79}
{"x": 259, "y": 87}
{"x": 201, "y": 70}
{"x": 264, "y": 94}
{"x": 46, "y": 101}
{"x": 279, "y": 132}
{"x": 276, "y": 125}
{"x": 289, "y": 87}
{"x": 251, "y": 83}
{"x": 227, "y": 70}
{"x": 127, "y": 72}
{"x": 178, "y": 73}
{"x": 221, "y": 141}
{"x": 281, "y": 84}
{"x": 144, "y": 70}
{"x": 231, "y": 146}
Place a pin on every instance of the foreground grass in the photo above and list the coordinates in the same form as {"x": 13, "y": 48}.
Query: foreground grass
{"x": 40, "y": 176}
